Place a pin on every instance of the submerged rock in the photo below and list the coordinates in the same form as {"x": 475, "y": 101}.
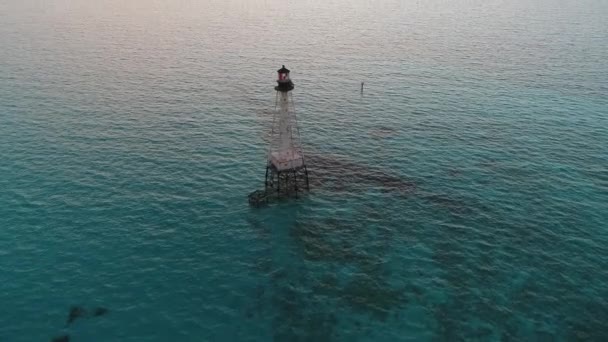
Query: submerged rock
{"x": 75, "y": 313}
{"x": 100, "y": 311}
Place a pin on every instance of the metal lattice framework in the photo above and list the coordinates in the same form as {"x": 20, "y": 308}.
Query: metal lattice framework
{"x": 285, "y": 134}
{"x": 286, "y": 173}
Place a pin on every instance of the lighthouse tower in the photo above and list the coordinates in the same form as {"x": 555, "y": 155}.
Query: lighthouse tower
{"x": 286, "y": 172}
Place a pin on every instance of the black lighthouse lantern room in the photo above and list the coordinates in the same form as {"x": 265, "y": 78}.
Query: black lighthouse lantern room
{"x": 283, "y": 80}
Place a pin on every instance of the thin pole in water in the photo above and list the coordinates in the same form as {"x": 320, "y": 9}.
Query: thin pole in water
{"x": 362, "y": 87}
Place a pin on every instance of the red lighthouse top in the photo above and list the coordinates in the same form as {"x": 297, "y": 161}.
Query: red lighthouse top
{"x": 285, "y": 83}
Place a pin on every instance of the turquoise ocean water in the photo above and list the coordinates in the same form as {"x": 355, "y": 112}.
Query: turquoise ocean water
{"x": 463, "y": 196}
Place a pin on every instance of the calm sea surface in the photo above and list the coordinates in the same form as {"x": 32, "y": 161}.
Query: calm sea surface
{"x": 463, "y": 196}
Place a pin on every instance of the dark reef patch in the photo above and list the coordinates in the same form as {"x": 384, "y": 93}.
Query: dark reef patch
{"x": 353, "y": 244}
{"x": 372, "y": 295}
{"x": 306, "y": 306}
{"x": 340, "y": 175}
{"x": 100, "y": 311}
{"x": 75, "y": 313}
{"x": 62, "y": 338}
{"x": 326, "y": 241}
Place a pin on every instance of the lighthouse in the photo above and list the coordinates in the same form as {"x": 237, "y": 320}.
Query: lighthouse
{"x": 286, "y": 172}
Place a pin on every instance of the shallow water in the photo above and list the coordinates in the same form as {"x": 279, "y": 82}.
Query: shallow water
{"x": 461, "y": 196}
